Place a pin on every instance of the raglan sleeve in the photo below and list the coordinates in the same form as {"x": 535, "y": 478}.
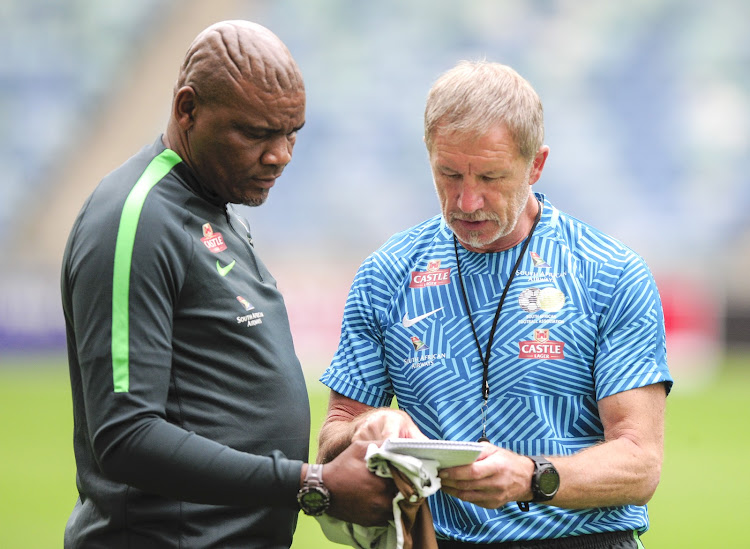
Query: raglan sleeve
{"x": 631, "y": 342}
{"x": 357, "y": 369}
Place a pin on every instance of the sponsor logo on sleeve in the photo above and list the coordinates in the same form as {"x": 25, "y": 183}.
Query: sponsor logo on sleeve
{"x": 433, "y": 276}
{"x": 213, "y": 241}
{"x": 542, "y": 347}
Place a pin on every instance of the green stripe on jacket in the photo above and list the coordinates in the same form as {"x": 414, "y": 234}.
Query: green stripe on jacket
{"x": 131, "y": 212}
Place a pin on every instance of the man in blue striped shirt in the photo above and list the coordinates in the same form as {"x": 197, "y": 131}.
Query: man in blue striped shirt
{"x": 508, "y": 321}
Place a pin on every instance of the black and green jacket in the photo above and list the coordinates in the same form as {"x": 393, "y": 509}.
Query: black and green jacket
{"x": 191, "y": 414}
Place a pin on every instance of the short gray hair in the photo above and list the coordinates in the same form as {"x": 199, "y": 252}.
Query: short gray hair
{"x": 475, "y": 96}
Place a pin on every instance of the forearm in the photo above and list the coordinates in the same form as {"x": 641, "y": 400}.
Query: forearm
{"x": 626, "y": 467}
{"x": 349, "y": 421}
{"x": 161, "y": 458}
{"x": 618, "y": 472}
{"x": 335, "y": 436}
{"x": 622, "y": 470}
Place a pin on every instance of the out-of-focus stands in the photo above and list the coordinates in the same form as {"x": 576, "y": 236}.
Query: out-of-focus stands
{"x": 647, "y": 108}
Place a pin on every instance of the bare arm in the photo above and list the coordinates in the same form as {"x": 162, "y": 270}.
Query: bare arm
{"x": 349, "y": 420}
{"x": 624, "y": 469}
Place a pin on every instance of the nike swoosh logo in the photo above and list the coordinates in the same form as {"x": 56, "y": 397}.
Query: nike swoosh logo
{"x": 407, "y": 322}
{"x": 223, "y": 271}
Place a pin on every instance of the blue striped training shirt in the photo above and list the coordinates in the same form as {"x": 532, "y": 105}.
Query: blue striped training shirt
{"x": 582, "y": 320}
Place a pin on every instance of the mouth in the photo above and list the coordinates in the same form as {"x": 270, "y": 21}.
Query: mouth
{"x": 468, "y": 223}
{"x": 473, "y": 226}
{"x": 266, "y": 182}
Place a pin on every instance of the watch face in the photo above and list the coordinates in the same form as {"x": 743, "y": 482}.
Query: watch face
{"x": 314, "y": 499}
{"x": 549, "y": 481}
{"x": 314, "y": 502}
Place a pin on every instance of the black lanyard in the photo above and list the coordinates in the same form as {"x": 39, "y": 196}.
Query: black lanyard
{"x": 485, "y": 358}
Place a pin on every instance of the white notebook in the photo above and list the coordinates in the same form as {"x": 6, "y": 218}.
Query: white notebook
{"x": 448, "y": 453}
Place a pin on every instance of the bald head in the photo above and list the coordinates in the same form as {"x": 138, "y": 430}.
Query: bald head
{"x": 237, "y": 107}
{"x": 229, "y": 54}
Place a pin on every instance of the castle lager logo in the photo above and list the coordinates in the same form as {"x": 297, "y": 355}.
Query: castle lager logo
{"x": 542, "y": 348}
{"x": 213, "y": 241}
{"x": 433, "y": 276}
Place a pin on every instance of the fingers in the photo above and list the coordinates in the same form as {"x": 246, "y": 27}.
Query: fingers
{"x": 490, "y": 462}
{"x": 384, "y": 423}
{"x": 488, "y": 500}
{"x": 465, "y": 477}
{"x": 358, "y": 495}
{"x": 376, "y": 426}
{"x": 414, "y": 432}
{"x": 496, "y": 478}
{"x": 471, "y": 483}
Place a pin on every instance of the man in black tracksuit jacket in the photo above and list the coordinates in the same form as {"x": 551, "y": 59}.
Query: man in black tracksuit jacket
{"x": 190, "y": 407}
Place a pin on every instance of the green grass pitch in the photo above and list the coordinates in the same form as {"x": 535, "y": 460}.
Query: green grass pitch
{"x": 702, "y": 501}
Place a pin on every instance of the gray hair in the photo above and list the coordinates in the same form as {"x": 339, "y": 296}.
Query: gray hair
{"x": 475, "y": 96}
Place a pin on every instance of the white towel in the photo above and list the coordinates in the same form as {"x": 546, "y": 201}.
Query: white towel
{"x": 423, "y": 475}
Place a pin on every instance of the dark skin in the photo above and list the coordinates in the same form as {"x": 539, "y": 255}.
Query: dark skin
{"x": 239, "y": 139}
{"x": 237, "y": 136}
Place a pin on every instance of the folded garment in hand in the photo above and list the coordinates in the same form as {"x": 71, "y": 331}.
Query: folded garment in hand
{"x": 411, "y": 527}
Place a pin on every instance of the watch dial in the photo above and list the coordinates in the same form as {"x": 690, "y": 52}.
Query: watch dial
{"x": 314, "y": 502}
{"x": 548, "y": 482}
{"x": 313, "y": 499}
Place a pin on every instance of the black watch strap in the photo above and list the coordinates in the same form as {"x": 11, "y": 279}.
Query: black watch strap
{"x": 545, "y": 481}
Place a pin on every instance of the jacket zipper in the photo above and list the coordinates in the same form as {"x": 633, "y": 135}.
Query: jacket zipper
{"x": 245, "y": 240}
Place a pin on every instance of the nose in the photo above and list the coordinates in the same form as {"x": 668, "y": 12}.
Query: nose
{"x": 278, "y": 151}
{"x": 470, "y": 198}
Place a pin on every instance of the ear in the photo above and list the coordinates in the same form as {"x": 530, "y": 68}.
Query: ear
{"x": 183, "y": 107}
{"x": 537, "y": 164}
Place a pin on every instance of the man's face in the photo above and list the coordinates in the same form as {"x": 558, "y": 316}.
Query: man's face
{"x": 483, "y": 185}
{"x": 240, "y": 146}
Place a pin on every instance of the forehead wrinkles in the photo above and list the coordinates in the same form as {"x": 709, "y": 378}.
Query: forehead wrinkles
{"x": 228, "y": 55}
{"x": 460, "y": 157}
{"x": 483, "y": 152}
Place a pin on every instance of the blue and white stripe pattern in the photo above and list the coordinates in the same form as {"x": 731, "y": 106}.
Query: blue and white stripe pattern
{"x": 581, "y": 321}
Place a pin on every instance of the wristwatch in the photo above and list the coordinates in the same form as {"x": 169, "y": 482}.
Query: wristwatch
{"x": 544, "y": 482}
{"x": 314, "y": 498}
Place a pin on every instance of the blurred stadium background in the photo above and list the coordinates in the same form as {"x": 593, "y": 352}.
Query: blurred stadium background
{"x": 647, "y": 107}
{"x": 647, "y": 114}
